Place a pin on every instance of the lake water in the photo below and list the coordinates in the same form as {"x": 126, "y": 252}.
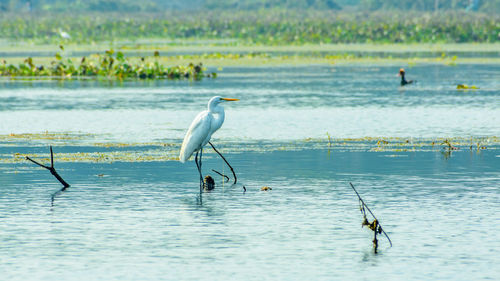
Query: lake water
{"x": 134, "y": 213}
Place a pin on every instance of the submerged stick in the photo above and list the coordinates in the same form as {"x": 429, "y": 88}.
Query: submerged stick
{"x": 375, "y": 225}
{"x": 221, "y": 174}
{"x": 227, "y": 179}
{"x": 53, "y": 172}
{"x": 223, "y": 158}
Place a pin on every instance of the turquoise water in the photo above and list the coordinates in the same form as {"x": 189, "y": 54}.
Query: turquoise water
{"x": 140, "y": 220}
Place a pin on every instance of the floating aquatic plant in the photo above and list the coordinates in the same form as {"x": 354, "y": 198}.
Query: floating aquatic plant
{"x": 449, "y": 146}
{"x": 466, "y": 87}
{"x": 109, "y": 152}
{"x": 111, "y": 64}
{"x": 330, "y": 139}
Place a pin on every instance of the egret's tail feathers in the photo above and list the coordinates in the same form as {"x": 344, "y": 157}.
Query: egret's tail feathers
{"x": 183, "y": 156}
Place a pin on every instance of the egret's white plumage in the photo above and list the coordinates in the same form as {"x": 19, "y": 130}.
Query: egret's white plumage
{"x": 64, "y": 34}
{"x": 202, "y": 128}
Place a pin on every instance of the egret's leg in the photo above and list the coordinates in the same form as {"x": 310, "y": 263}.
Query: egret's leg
{"x": 223, "y": 158}
{"x": 196, "y": 161}
{"x": 201, "y": 155}
{"x": 198, "y": 165}
{"x": 201, "y": 175}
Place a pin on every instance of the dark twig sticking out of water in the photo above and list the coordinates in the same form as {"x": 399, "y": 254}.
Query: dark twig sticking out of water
{"x": 230, "y": 167}
{"x": 374, "y": 225}
{"x": 221, "y": 174}
{"x": 223, "y": 158}
{"x": 227, "y": 179}
{"x": 53, "y": 172}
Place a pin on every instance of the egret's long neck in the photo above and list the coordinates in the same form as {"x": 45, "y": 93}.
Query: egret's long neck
{"x": 219, "y": 115}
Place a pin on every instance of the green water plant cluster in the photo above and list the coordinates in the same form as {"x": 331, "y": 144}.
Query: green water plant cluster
{"x": 265, "y": 27}
{"x": 111, "y": 64}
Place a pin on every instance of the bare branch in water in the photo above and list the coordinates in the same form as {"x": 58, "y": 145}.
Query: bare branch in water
{"x": 227, "y": 179}
{"x": 53, "y": 172}
{"x": 221, "y": 174}
{"x": 374, "y": 225}
{"x": 223, "y": 158}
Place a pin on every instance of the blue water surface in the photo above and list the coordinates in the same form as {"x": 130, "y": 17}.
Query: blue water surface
{"x": 147, "y": 221}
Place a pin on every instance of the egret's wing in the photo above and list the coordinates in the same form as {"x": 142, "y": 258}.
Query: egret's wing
{"x": 196, "y": 134}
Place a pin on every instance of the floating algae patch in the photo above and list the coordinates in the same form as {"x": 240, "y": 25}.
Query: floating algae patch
{"x": 70, "y": 139}
{"x": 366, "y": 144}
{"x": 156, "y": 151}
{"x": 406, "y": 145}
{"x": 112, "y": 144}
{"x": 38, "y": 138}
{"x": 153, "y": 155}
{"x": 391, "y": 144}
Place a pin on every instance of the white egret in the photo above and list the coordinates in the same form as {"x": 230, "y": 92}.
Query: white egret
{"x": 201, "y": 130}
{"x": 64, "y": 34}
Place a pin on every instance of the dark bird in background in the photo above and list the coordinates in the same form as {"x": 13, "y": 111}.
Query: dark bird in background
{"x": 403, "y": 79}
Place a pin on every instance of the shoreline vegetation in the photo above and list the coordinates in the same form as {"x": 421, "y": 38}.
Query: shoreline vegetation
{"x": 188, "y": 40}
{"x": 190, "y": 57}
{"x": 261, "y": 27}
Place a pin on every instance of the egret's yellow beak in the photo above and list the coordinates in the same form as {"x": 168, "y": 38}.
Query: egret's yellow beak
{"x": 226, "y": 99}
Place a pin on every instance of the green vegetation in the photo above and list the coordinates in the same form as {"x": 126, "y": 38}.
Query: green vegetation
{"x": 270, "y": 4}
{"x": 109, "y": 65}
{"x": 159, "y": 151}
{"x": 244, "y": 56}
{"x": 429, "y": 5}
{"x": 491, "y": 6}
{"x": 273, "y": 27}
{"x": 231, "y": 32}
